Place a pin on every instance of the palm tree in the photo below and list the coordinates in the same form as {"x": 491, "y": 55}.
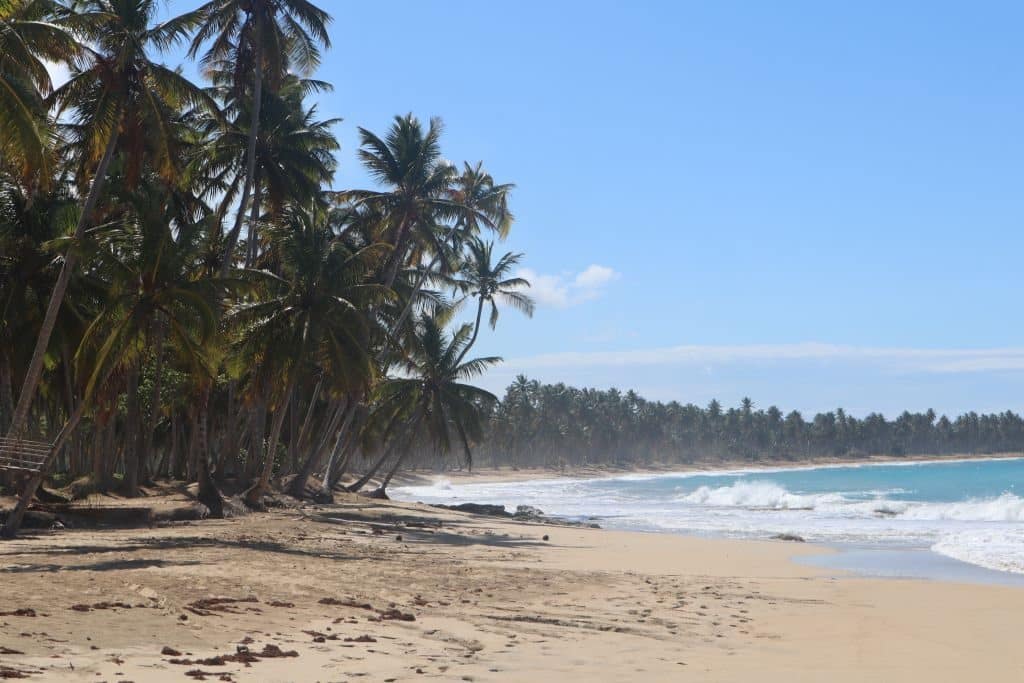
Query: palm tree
{"x": 490, "y": 283}
{"x": 264, "y": 39}
{"x": 27, "y": 41}
{"x": 294, "y": 152}
{"x": 477, "y": 202}
{"x": 153, "y": 299}
{"x": 118, "y": 93}
{"x": 28, "y": 222}
{"x": 408, "y": 162}
{"x": 314, "y": 313}
{"x": 431, "y": 398}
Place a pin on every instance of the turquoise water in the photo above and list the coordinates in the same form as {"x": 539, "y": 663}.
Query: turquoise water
{"x": 966, "y": 510}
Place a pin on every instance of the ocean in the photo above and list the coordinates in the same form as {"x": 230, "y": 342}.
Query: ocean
{"x": 968, "y": 510}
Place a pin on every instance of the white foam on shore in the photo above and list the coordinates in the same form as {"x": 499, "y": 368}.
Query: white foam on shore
{"x": 984, "y": 531}
{"x": 1000, "y": 549}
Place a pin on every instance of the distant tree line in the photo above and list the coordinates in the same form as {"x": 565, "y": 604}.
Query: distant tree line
{"x": 554, "y": 425}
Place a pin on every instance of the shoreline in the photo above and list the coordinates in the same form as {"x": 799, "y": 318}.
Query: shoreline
{"x": 725, "y": 467}
{"x": 488, "y": 600}
{"x": 888, "y": 555}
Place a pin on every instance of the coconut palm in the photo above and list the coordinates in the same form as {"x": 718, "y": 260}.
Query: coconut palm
{"x": 431, "y": 399}
{"x": 408, "y": 162}
{"x": 294, "y": 152}
{"x": 154, "y": 300}
{"x": 313, "y": 314}
{"x": 477, "y": 202}
{"x": 118, "y": 93}
{"x": 490, "y": 283}
{"x": 265, "y": 39}
{"x": 29, "y": 39}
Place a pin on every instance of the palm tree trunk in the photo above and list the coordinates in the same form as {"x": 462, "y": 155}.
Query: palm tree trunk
{"x": 35, "y": 367}
{"x": 146, "y": 448}
{"x": 307, "y": 422}
{"x": 346, "y": 422}
{"x": 250, "y": 154}
{"x": 399, "y": 439}
{"x": 208, "y": 494}
{"x": 253, "y": 495}
{"x": 476, "y": 331}
{"x": 372, "y": 472}
{"x": 6, "y": 392}
{"x": 412, "y": 297}
{"x": 298, "y": 487}
{"x": 254, "y": 217}
{"x": 381, "y": 491}
{"x": 351, "y": 448}
{"x": 397, "y": 256}
{"x": 132, "y": 429}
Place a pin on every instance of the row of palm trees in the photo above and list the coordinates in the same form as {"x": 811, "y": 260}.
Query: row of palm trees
{"x": 183, "y": 295}
{"x": 553, "y": 425}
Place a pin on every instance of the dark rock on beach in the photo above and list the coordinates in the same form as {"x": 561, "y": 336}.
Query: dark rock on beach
{"x": 478, "y": 509}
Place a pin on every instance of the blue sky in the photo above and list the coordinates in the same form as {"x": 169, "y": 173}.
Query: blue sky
{"x": 813, "y": 204}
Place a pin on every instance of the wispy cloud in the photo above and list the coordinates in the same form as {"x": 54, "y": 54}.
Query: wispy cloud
{"x": 896, "y": 358}
{"x": 569, "y": 289}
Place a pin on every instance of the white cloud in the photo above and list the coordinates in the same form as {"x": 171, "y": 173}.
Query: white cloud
{"x": 895, "y": 358}
{"x": 595, "y": 276}
{"x": 566, "y": 289}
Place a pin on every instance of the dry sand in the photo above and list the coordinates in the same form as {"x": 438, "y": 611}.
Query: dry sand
{"x": 491, "y": 601}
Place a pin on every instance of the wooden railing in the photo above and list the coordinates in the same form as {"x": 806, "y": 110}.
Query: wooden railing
{"x": 22, "y": 454}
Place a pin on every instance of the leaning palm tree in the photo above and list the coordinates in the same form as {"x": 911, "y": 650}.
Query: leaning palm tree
{"x": 490, "y": 283}
{"x": 432, "y": 399}
{"x": 314, "y": 313}
{"x": 118, "y": 96}
{"x": 119, "y": 92}
{"x": 407, "y": 161}
{"x": 477, "y": 202}
{"x": 265, "y": 39}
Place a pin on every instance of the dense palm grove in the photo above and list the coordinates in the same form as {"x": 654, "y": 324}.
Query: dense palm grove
{"x": 552, "y": 425}
{"x": 182, "y": 293}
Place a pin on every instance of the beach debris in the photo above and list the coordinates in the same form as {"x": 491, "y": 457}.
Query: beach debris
{"x": 170, "y": 651}
{"x": 347, "y": 602}
{"x": 361, "y": 639}
{"x": 8, "y": 672}
{"x": 242, "y": 656}
{"x": 280, "y": 603}
{"x": 205, "y": 607}
{"x": 395, "y": 614}
{"x": 20, "y": 612}
{"x": 9, "y": 651}
{"x": 545, "y": 537}
{"x": 788, "y": 537}
{"x": 319, "y": 637}
{"x": 101, "y": 605}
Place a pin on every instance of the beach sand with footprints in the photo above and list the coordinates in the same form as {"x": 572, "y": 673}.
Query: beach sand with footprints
{"x": 381, "y": 591}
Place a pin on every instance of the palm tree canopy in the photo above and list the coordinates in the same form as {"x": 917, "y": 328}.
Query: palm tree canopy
{"x": 434, "y": 393}
{"x": 119, "y": 88}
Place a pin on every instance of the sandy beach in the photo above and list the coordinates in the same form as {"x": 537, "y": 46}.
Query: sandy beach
{"x": 365, "y": 590}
